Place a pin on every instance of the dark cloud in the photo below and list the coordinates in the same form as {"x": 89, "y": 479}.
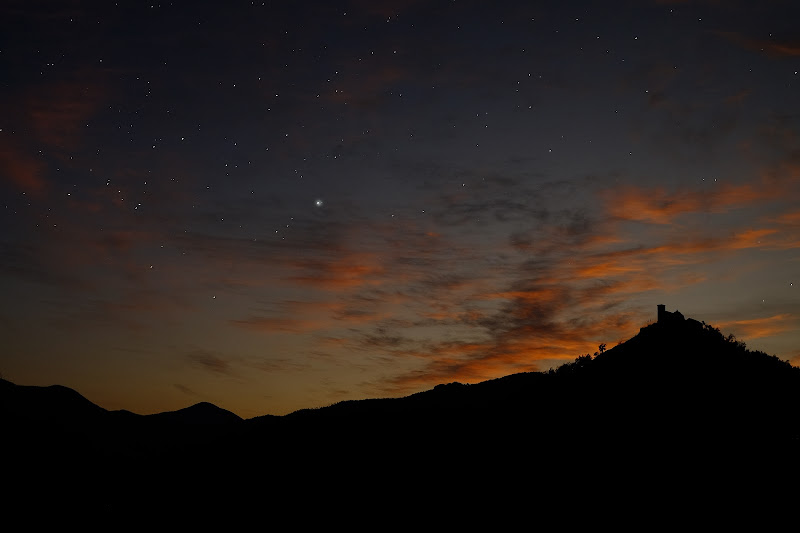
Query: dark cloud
{"x": 22, "y": 169}
{"x": 382, "y": 339}
{"x": 26, "y": 262}
{"x": 789, "y": 47}
{"x": 211, "y": 362}
{"x": 186, "y": 390}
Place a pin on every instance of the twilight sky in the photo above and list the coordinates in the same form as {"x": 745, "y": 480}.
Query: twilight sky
{"x": 278, "y": 205}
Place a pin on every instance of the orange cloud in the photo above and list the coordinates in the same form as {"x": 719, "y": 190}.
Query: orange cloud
{"x": 750, "y": 238}
{"x": 783, "y": 49}
{"x": 22, "y": 170}
{"x": 539, "y": 294}
{"x": 739, "y": 97}
{"x": 518, "y": 350}
{"x": 772, "y": 47}
{"x": 659, "y": 206}
{"x": 563, "y": 300}
{"x": 607, "y": 269}
{"x": 757, "y": 328}
{"x": 449, "y": 315}
{"x": 58, "y": 112}
{"x": 791, "y": 218}
{"x": 346, "y": 271}
{"x": 649, "y": 205}
{"x": 562, "y": 304}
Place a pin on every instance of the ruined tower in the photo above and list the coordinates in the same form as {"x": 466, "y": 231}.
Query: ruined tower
{"x": 665, "y": 317}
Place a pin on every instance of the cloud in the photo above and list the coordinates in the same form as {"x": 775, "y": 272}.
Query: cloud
{"x": 314, "y": 317}
{"x": 756, "y": 328}
{"x": 739, "y": 97}
{"x": 371, "y": 89}
{"x": 22, "y": 170}
{"x": 345, "y": 271}
{"x": 211, "y": 362}
{"x": 548, "y": 317}
{"x": 771, "y": 47}
{"x": 46, "y": 121}
{"x": 26, "y": 262}
{"x": 791, "y": 218}
{"x": 286, "y": 324}
{"x": 565, "y": 287}
{"x": 186, "y": 390}
{"x": 58, "y": 112}
{"x": 660, "y": 206}
{"x": 523, "y": 335}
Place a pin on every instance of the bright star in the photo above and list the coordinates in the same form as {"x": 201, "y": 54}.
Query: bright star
{"x": 318, "y": 202}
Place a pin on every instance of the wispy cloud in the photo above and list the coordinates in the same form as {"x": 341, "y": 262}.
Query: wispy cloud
{"x": 567, "y": 298}
{"x": 660, "y": 206}
{"x": 211, "y": 362}
{"x": 272, "y": 324}
{"x": 772, "y": 47}
{"x": 21, "y": 169}
{"x": 756, "y": 328}
{"x": 58, "y": 112}
{"x": 186, "y": 390}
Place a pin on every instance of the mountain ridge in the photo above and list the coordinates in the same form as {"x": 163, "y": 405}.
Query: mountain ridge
{"x": 637, "y": 414}
{"x": 657, "y": 340}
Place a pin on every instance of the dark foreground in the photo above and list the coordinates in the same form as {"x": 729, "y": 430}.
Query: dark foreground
{"x": 675, "y": 421}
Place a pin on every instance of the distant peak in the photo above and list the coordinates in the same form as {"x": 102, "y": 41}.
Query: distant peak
{"x": 202, "y": 412}
{"x": 203, "y": 405}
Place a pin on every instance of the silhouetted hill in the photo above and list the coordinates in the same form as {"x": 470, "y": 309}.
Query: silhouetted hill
{"x": 671, "y": 378}
{"x": 202, "y": 413}
{"x": 676, "y": 399}
{"x": 672, "y": 381}
{"x": 62, "y": 405}
{"x": 55, "y": 404}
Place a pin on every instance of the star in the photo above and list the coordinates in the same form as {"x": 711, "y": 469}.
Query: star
{"x": 318, "y": 202}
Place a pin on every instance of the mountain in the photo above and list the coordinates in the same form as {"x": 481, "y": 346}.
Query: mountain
{"x": 202, "y": 413}
{"x": 679, "y": 401}
{"x": 54, "y": 404}
{"x": 676, "y": 379}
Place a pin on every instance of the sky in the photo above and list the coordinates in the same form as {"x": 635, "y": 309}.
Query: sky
{"x": 281, "y": 205}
